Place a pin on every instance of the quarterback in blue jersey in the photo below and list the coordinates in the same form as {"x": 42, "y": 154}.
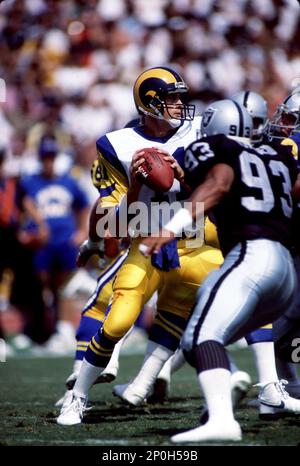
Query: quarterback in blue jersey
{"x": 169, "y": 125}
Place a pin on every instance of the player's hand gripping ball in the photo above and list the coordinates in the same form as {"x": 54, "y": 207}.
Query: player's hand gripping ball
{"x": 156, "y": 172}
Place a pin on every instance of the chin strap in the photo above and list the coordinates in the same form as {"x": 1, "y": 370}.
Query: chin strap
{"x": 173, "y": 122}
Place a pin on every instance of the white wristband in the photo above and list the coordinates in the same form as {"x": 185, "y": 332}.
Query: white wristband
{"x": 182, "y": 220}
{"x": 143, "y": 249}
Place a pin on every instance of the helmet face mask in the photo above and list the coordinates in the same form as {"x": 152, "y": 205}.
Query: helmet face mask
{"x": 260, "y": 126}
{"x": 159, "y": 93}
{"x": 174, "y": 109}
{"x": 286, "y": 119}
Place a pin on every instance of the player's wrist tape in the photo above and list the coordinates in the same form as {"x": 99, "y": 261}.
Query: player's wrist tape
{"x": 182, "y": 220}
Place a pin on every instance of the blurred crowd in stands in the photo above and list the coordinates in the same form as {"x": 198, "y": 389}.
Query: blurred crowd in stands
{"x": 69, "y": 67}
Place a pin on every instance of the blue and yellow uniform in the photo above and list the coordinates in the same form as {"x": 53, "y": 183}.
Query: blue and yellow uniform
{"x": 294, "y": 142}
{"x": 94, "y": 311}
{"x": 96, "y": 307}
{"x": 138, "y": 279}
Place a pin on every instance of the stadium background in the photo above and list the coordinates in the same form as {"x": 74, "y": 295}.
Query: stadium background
{"x": 70, "y": 66}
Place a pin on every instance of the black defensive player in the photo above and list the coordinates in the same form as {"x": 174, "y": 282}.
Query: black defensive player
{"x": 249, "y": 191}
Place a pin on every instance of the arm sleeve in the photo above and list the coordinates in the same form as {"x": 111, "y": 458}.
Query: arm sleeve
{"x": 112, "y": 181}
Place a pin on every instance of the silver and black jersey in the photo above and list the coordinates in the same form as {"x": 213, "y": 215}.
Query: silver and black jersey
{"x": 259, "y": 204}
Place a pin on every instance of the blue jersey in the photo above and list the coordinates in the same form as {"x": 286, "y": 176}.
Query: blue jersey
{"x": 57, "y": 199}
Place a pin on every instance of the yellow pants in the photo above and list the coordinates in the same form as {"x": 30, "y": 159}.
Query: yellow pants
{"x": 97, "y": 304}
{"x": 137, "y": 280}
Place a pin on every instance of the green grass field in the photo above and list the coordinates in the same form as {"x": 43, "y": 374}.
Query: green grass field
{"x": 29, "y": 388}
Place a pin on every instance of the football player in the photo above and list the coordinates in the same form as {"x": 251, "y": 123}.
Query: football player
{"x": 249, "y": 190}
{"x": 168, "y": 124}
{"x": 285, "y": 127}
{"x": 112, "y": 253}
{"x": 260, "y": 340}
{"x": 285, "y": 124}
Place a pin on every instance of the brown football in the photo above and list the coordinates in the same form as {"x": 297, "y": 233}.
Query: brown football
{"x": 155, "y": 172}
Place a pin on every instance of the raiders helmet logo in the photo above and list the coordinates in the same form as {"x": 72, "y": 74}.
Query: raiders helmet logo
{"x": 207, "y": 116}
